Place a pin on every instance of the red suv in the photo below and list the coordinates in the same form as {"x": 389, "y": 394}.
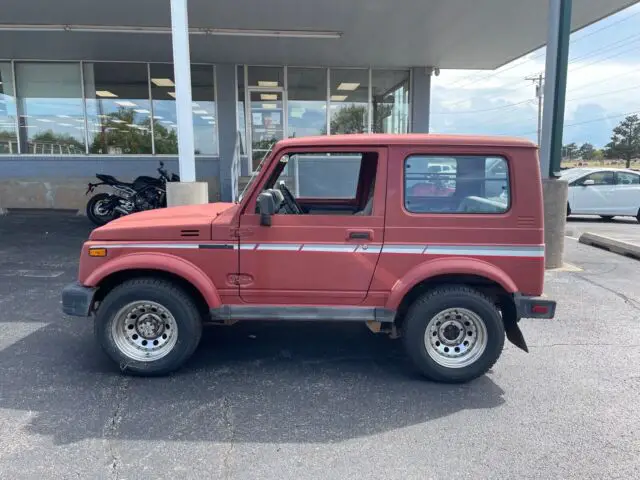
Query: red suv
{"x": 355, "y": 228}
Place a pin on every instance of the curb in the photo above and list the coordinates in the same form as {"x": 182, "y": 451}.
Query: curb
{"x": 607, "y": 243}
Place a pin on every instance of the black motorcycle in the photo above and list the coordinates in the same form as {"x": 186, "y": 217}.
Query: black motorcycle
{"x": 145, "y": 193}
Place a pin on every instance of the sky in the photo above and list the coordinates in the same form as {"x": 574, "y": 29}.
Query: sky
{"x": 603, "y": 86}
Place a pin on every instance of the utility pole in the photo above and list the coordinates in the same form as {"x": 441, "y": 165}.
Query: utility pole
{"x": 538, "y": 81}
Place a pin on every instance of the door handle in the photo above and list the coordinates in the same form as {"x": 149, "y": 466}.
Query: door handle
{"x": 360, "y": 235}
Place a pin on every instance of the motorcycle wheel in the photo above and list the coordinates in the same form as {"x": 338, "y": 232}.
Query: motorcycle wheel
{"x": 97, "y": 209}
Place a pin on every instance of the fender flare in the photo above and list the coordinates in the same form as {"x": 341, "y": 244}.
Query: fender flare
{"x": 162, "y": 262}
{"x": 447, "y": 266}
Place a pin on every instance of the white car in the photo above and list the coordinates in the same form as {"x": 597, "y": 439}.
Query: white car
{"x": 606, "y": 192}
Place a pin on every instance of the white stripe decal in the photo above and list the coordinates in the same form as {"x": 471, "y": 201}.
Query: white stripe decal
{"x": 329, "y": 248}
{"x": 528, "y": 251}
{"x": 279, "y": 246}
{"x": 148, "y": 245}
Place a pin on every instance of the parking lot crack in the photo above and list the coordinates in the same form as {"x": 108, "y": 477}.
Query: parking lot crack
{"x": 228, "y": 418}
{"x": 629, "y": 301}
{"x": 111, "y": 429}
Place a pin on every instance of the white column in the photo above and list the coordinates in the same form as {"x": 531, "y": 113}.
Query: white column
{"x": 182, "y": 76}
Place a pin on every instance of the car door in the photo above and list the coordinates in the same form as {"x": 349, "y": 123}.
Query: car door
{"x": 593, "y": 198}
{"x": 627, "y": 193}
{"x": 328, "y": 254}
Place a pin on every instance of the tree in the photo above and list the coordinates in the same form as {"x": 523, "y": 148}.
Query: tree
{"x": 625, "y": 141}
{"x": 570, "y": 151}
{"x": 586, "y": 151}
{"x": 349, "y": 119}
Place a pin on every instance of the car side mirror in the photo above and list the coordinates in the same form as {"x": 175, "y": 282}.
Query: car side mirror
{"x": 588, "y": 183}
{"x": 266, "y": 207}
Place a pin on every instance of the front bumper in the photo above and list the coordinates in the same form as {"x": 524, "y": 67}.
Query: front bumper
{"x": 77, "y": 299}
{"x": 534, "y": 307}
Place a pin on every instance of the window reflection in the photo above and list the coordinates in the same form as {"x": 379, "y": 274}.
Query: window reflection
{"x": 307, "y": 101}
{"x": 50, "y": 108}
{"x": 349, "y": 101}
{"x": 8, "y": 137}
{"x": 118, "y": 108}
{"x": 390, "y": 101}
{"x": 165, "y": 113}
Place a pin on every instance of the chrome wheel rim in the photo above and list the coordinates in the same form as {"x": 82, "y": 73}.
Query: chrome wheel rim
{"x": 455, "y": 338}
{"x": 99, "y": 209}
{"x": 144, "y": 331}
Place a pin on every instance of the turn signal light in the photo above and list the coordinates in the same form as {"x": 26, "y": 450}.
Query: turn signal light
{"x": 97, "y": 252}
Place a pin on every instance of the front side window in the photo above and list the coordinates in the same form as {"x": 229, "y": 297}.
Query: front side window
{"x": 599, "y": 178}
{"x": 327, "y": 183}
{"x": 456, "y": 184}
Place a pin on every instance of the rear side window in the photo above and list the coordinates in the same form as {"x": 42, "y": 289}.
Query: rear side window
{"x": 456, "y": 184}
{"x": 626, "y": 178}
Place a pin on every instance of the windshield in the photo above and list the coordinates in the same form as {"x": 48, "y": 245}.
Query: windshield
{"x": 573, "y": 174}
{"x": 254, "y": 175}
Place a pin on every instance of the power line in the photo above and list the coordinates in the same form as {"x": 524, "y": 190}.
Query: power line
{"x": 592, "y": 120}
{"x": 465, "y": 112}
{"x": 604, "y": 93}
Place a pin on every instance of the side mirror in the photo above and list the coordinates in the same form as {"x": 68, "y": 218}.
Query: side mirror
{"x": 588, "y": 183}
{"x": 266, "y": 207}
{"x": 161, "y": 164}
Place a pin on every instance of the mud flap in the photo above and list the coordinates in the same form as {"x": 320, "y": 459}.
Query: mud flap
{"x": 514, "y": 335}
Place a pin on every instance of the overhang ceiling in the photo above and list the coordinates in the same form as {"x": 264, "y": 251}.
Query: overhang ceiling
{"x": 478, "y": 34}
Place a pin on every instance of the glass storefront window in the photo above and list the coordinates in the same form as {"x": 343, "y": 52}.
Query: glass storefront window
{"x": 307, "y": 101}
{"x": 118, "y": 108}
{"x": 242, "y": 122}
{"x": 165, "y": 129}
{"x": 8, "y": 136}
{"x": 390, "y": 101}
{"x": 51, "y": 115}
{"x": 266, "y": 77}
{"x": 349, "y": 99}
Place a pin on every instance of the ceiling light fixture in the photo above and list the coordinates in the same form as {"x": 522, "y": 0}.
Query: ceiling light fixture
{"x": 267, "y": 83}
{"x": 172, "y": 94}
{"x": 268, "y": 96}
{"x": 234, "y": 32}
{"x": 163, "y": 82}
{"x": 269, "y": 106}
{"x": 200, "y": 112}
{"x": 207, "y": 117}
{"x": 348, "y": 86}
{"x": 126, "y": 103}
{"x": 141, "y": 110}
{"x": 338, "y": 98}
{"x": 106, "y": 94}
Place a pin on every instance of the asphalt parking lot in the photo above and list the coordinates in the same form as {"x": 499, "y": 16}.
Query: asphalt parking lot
{"x": 282, "y": 401}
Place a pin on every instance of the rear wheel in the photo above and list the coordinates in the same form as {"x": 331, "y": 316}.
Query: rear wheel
{"x": 148, "y": 326}
{"x": 606, "y": 218}
{"x": 99, "y": 210}
{"x": 568, "y": 210}
{"x": 453, "y": 334}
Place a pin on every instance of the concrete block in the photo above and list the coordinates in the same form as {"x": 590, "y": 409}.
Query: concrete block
{"x": 607, "y": 243}
{"x": 554, "y": 193}
{"x": 187, "y": 193}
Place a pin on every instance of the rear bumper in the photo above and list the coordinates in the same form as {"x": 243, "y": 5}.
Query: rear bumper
{"x": 77, "y": 299}
{"x": 534, "y": 307}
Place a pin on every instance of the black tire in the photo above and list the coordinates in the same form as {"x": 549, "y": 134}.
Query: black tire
{"x": 435, "y": 301}
{"x": 606, "y": 218}
{"x": 181, "y": 306}
{"x": 638, "y": 216}
{"x": 93, "y": 215}
{"x": 568, "y": 210}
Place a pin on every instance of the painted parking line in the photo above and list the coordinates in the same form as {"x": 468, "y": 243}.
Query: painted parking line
{"x": 31, "y": 273}
{"x": 13, "y": 332}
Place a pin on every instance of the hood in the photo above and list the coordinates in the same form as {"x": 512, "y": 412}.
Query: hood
{"x": 189, "y": 222}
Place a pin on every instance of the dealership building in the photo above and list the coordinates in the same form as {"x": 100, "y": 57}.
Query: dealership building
{"x": 90, "y": 87}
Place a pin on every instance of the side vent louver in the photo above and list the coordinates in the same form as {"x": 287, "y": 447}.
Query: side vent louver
{"x": 526, "y": 221}
{"x": 189, "y": 233}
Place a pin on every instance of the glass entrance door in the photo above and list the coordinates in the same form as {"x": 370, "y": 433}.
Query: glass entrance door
{"x": 266, "y": 121}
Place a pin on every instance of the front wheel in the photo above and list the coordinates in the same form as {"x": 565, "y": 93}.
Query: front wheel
{"x": 453, "y": 334}
{"x": 148, "y": 326}
{"x": 99, "y": 210}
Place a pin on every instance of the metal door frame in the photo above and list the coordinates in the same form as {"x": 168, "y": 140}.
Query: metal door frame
{"x": 249, "y": 117}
